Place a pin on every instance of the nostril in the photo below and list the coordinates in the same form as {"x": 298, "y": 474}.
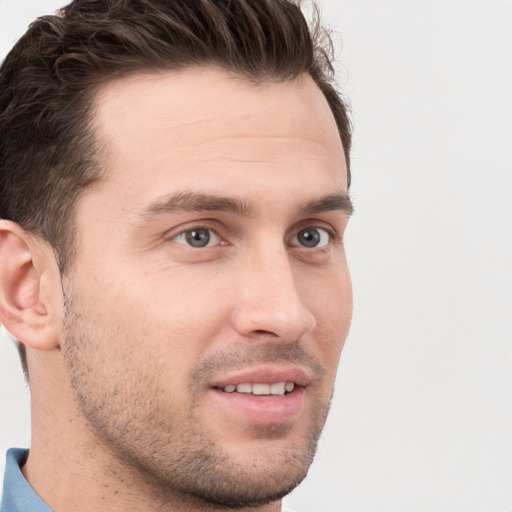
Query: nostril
{"x": 262, "y": 332}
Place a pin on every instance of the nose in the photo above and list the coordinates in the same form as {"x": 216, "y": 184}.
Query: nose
{"x": 268, "y": 301}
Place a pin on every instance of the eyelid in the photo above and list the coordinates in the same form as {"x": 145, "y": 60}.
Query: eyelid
{"x": 212, "y": 225}
{"x": 330, "y": 238}
{"x": 334, "y": 231}
{"x": 173, "y": 234}
{"x": 213, "y": 240}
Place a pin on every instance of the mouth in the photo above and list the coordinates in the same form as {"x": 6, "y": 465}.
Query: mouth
{"x": 261, "y": 389}
{"x": 263, "y": 396}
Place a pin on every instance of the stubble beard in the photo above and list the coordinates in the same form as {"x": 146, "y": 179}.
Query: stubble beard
{"x": 168, "y": 454}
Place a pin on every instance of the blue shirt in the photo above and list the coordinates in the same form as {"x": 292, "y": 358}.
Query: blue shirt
{"x": 18, "y": 496}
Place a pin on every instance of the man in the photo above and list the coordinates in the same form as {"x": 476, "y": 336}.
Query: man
{"x": 174, "y": 193}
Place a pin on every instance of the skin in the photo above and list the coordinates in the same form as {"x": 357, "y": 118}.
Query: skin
{"x": 126, "y": 350}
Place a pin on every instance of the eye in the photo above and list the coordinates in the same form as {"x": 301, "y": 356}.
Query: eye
{"x": 197, "y": 237}
{"x": 312, "y": 238}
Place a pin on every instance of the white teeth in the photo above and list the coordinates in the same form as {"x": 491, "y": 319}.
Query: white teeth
{"x": 260, "y": 389}
{"x": 244, "y": 388}
{"x": 290, "y": 386}
{"x": 278, "y": 388}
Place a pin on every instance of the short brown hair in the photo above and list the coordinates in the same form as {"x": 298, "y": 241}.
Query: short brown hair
{"x": 48, "y": 152}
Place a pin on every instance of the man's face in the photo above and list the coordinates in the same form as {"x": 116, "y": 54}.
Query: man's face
{"x": 210, "y": 298}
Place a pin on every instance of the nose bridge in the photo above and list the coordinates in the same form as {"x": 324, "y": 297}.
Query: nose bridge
{"x": 269, "y": 299}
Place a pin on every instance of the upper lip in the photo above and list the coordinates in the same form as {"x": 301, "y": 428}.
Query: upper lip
{"x": 265, "y": 375}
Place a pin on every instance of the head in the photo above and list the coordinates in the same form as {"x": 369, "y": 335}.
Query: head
{"x": 50, "y": 154}
{"x": 186, "y": 167}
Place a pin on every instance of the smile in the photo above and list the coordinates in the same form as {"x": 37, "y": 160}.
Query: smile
{"x": 265, "y": 395}
{"x": 277, "y": 388}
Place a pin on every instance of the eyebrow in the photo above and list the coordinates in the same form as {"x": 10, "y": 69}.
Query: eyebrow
{"x": 328, "y": 203}
{"x": 198, "y": 202}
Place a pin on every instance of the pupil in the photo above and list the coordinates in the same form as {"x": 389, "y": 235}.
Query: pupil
{"x": 198, "y": 237}
{"x": 309, "y": 237}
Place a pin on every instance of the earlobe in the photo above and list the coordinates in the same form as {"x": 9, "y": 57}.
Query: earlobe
{"x": 25, "y": 311}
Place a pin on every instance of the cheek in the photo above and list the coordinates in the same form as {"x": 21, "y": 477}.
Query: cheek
{"x": 169, "y": 320}
{"x": 331, "y": 303}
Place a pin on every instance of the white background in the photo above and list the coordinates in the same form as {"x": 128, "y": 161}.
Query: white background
{"x": 422, "y": 418}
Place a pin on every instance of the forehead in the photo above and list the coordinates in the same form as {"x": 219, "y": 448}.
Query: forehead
{"x": 202, "y": 95}
{"x": 205, "y": 124}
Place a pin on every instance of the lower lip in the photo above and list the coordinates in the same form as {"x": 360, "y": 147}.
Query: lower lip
{"x": 264, "y": 409}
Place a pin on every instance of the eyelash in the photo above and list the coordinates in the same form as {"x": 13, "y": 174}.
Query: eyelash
{"x": 199, "y": 227}
{"x": 323, "y": 231}
{"x": 332, "y": 236}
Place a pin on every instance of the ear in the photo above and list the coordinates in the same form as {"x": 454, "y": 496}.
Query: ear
{"x": 28, "y": 309}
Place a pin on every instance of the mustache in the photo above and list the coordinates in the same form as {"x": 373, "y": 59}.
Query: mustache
{"x": 254, "y": 355}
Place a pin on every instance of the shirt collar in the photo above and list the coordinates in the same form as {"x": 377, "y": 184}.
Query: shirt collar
{"x": 18, "y": 496}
